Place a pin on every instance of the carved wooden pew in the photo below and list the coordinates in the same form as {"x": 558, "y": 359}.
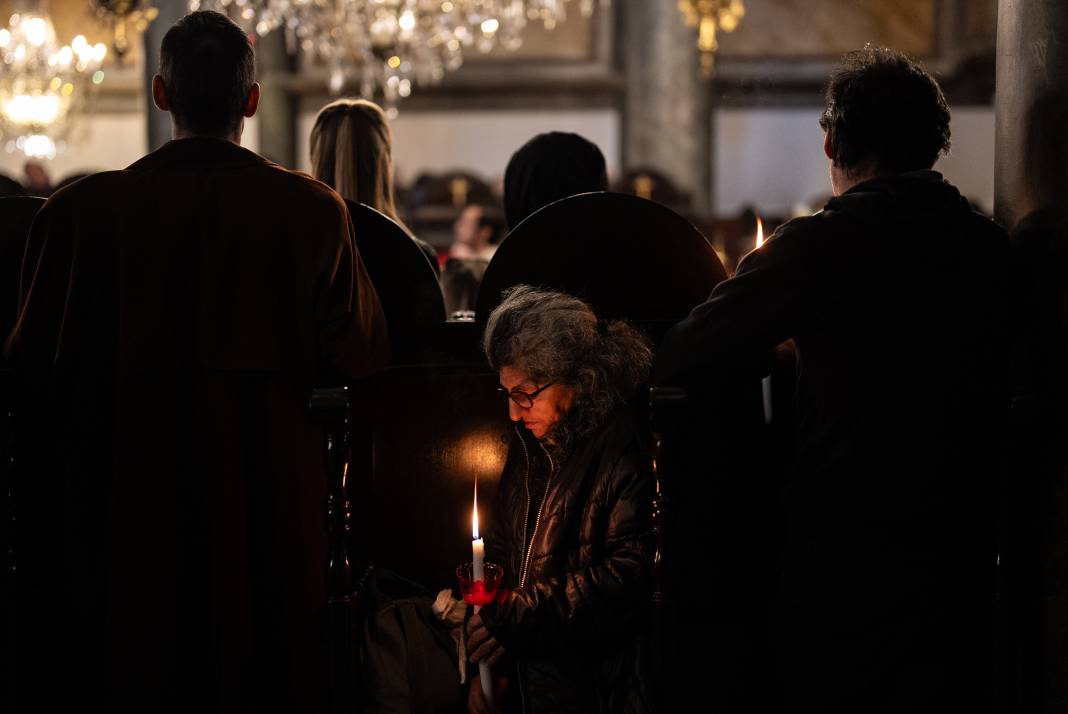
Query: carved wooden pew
{"x": 629, "y": 257}
{"x": 404, "y": 279}
{"x": 404, "y": 448}
{"x": 421, "y": 436}
{"x": 329, "y": 408}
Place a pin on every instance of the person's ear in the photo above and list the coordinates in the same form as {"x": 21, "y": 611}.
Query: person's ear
{"x": 253, "y": 100}
{"x": 159, "y": 94}
{"x": 827, "y": 148}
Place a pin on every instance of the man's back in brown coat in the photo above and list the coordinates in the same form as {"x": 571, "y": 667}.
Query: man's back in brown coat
{"x": 170, "y": 492}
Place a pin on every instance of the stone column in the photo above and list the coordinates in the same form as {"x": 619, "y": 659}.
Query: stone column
{"x": 1031, "y": 200}
{"x": 159, "y": 123}
{"x": 1032, "y": 86}
{"x": 667, "y": 107}
{"x": 278, "y": 106}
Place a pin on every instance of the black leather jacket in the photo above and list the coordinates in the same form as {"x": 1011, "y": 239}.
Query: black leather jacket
{"x": 577, "y": 616}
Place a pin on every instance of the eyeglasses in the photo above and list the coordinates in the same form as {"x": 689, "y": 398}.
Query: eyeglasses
{"x": 525, "y": 400}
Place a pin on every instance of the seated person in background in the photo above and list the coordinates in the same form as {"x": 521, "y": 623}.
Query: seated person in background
{"x": 171, "y": 538}
{"x": 550, "y": 167}
{"x": 37, "y": 180}
{"x": 352, "y": 152}
{"x": 571, "y": 524}
{"x": 477, "y": 231}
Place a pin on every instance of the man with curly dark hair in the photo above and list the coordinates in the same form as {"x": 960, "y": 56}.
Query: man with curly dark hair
{"x": 895, "y": 297}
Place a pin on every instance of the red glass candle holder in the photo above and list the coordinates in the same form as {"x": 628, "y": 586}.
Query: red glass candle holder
{"x": 479, "y": 592}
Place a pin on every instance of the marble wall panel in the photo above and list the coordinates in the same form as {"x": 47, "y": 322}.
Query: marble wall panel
{"x": 816, "y": 29}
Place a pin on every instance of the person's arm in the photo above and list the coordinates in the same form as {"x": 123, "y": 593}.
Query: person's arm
{"x": 351, "y": 325}
{"x": 595, "y": 603}
{"x": 774, "y": 290}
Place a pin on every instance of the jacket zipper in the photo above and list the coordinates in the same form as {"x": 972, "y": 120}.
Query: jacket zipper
{"x": 526, "y": 510}
{"x": 537, "y": 519}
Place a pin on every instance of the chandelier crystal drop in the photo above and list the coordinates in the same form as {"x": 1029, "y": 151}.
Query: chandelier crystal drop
{"x": 386, "y": 47}
{"x": 43, "y": 85}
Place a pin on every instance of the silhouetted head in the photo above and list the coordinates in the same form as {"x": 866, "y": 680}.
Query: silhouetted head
{"x": 479, "y": 225}
{"x": 550, "y": 167}
{"x": 884, "y": 114}
{"x": 207, "y": 74}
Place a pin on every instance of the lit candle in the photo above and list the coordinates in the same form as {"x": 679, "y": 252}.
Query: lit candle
{"x": 765, "y": 384}
{"x": 478, "y": 546}
{"x": 478, "y": 574}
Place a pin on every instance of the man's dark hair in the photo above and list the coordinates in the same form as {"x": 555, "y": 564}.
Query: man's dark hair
{"x": 491, "y": 217}
{"x": 208, "y": 68}
{"x": 885, "y": 113}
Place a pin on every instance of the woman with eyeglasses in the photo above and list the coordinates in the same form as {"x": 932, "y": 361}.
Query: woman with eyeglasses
{"x": 572, "y": 521}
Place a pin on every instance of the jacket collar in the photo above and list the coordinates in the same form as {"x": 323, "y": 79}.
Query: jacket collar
{"x": 199, "y": 152}
{"x": 898, "y": 196}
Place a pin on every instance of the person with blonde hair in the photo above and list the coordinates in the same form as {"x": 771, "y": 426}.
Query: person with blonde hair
{"x": 352, "y": 152}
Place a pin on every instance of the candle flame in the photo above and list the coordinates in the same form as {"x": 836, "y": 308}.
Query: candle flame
{"x": 760, "y": 233}
{"x": 474, "y": 515}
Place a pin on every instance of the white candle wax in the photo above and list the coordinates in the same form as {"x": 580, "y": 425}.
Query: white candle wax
{"x": 478, "y": 558}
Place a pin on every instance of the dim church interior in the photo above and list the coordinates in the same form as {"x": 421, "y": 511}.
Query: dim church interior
{"x": 710, "y": 155}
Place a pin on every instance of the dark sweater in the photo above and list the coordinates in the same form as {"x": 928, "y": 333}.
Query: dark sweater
{"x": 896, "y": 297}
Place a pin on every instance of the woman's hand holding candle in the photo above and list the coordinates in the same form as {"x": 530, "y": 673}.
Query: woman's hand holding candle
{"x": 481, "y": 645}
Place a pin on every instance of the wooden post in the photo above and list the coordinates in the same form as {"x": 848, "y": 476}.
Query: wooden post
{"x": 330, "y": 407}
{"x": 665, "y": 407}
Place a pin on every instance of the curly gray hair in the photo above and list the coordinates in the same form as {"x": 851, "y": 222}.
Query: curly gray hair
{"x": 553, "y": 337}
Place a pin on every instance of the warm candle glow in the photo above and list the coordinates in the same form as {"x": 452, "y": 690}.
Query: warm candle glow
{"x": 478, "y": 574}
{"x": 760, "y": 233}
{"x": 474, "y": 515}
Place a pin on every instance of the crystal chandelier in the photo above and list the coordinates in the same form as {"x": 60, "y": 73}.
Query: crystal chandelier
{"x": 709, "y": 17}
{"x": 124, "y": 17}
{"x": 385, "y": 47}
{"x": 42, "y": 85}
